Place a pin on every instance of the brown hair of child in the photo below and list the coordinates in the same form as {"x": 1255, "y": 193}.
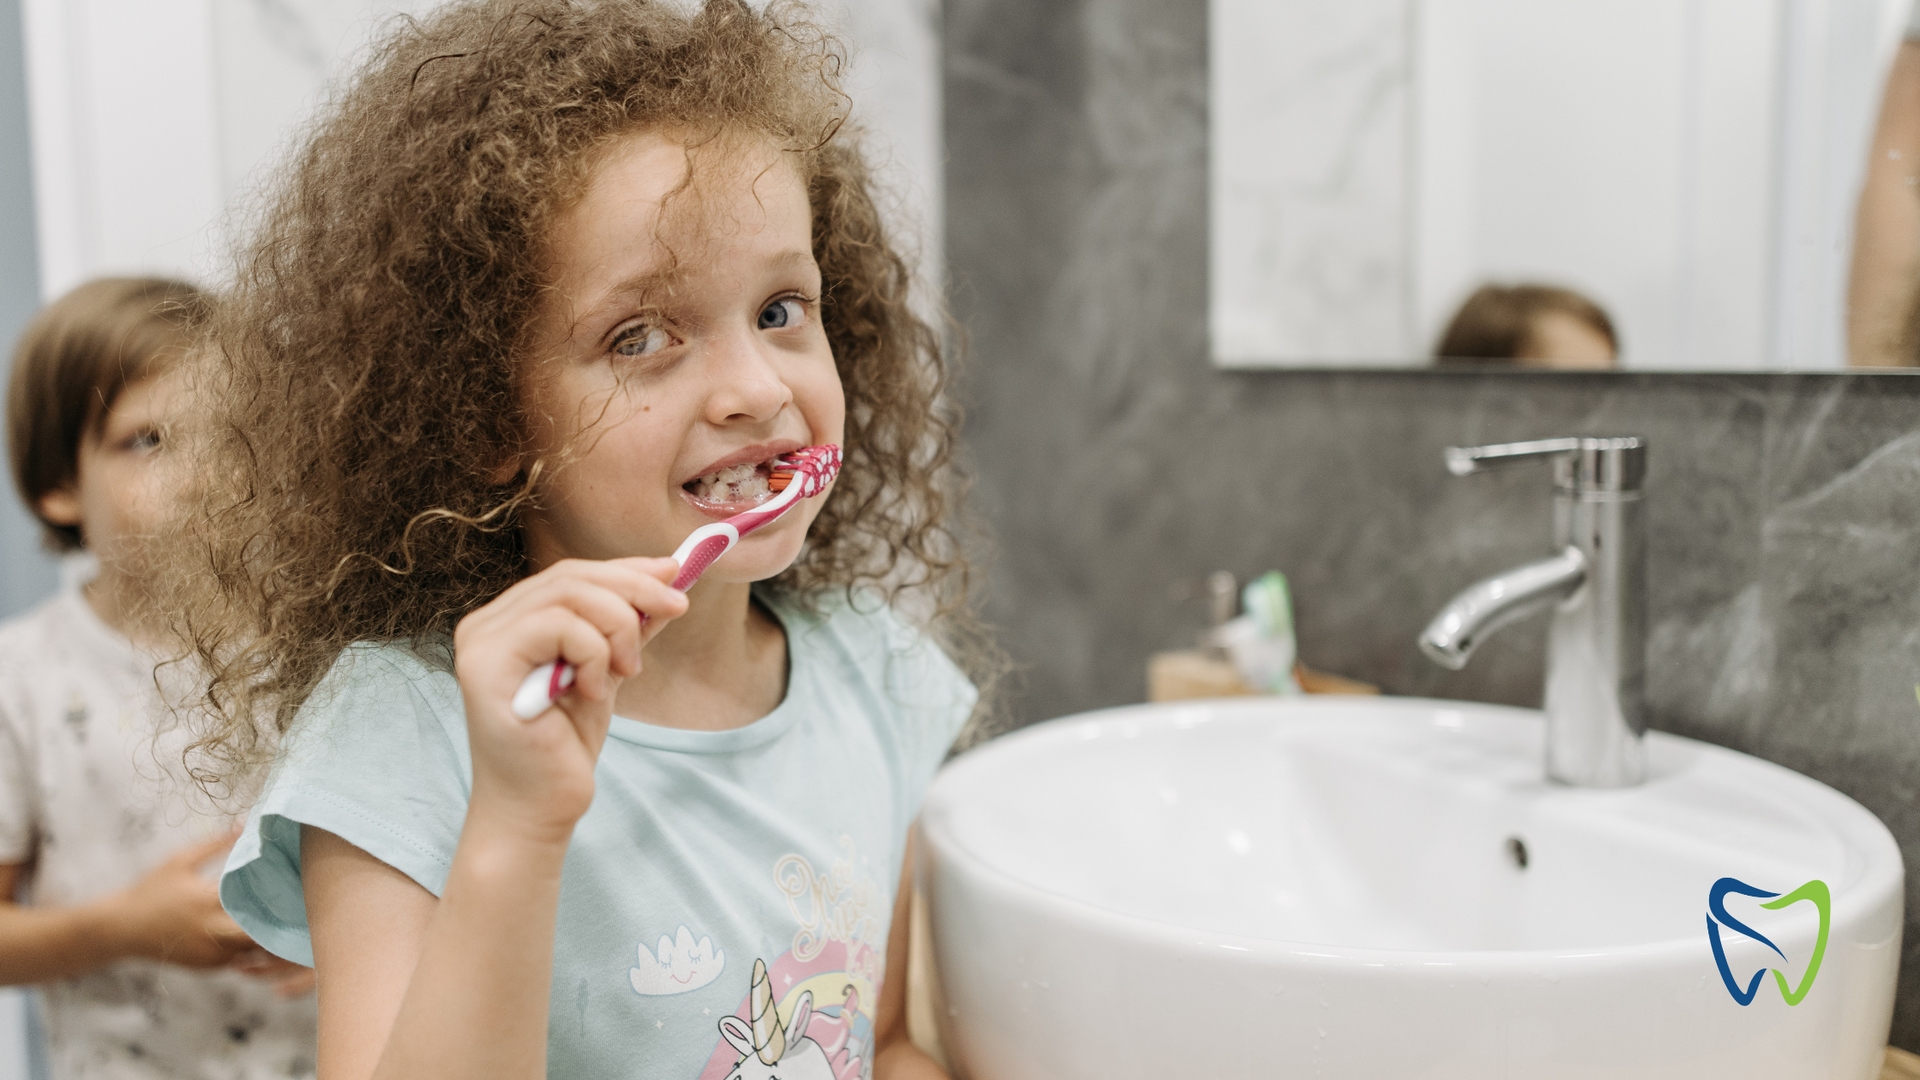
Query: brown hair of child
{"x": 1497, "y": 323}
{"x": 70, "y": 366}
{"x": 366, "y": 380}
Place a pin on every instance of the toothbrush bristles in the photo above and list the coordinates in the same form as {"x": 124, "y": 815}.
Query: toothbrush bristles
{"x": 819, "y": 462}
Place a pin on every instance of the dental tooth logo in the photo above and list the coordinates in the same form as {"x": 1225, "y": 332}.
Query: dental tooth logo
{"x": 1814, "y": 891}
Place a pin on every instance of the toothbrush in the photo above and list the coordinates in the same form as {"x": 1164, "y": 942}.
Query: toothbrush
{"x": 796, "y": 476}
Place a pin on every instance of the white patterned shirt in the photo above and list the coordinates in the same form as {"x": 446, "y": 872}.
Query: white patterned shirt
{"x": 93, "y": 800}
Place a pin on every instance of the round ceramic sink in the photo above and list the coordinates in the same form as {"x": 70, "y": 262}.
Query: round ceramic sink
{"x": 1370, "y": 888}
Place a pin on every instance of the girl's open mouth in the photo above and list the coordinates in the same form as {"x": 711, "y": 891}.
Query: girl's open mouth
{"x": 734, "y": 488}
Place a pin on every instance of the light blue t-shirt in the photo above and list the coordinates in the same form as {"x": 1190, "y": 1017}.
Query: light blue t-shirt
{"x": 707, "y": 857}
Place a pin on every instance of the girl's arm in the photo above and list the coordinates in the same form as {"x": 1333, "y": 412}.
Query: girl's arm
{"x": 395, "y": 961}
{"x": 171, "y": 914}
{"x": 894, "y": 1057}
{"x": 414, "y": 988}
{"x": 1886, "y": 234}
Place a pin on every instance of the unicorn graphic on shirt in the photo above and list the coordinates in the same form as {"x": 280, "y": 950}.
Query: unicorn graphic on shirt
{"x": 769, "y": 1051}
{"x": 807, "y": 1015}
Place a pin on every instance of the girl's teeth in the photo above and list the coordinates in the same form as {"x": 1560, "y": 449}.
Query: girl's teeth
{"x": 735, "y": 483}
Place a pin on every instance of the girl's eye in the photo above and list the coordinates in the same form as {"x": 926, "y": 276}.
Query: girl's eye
{"x": 144, "y": 442}
{"x": 782, "y": 314}
{"x": 642, "y": 340}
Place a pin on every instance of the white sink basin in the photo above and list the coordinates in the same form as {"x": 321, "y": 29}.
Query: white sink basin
{"x": 1333, "y": 888}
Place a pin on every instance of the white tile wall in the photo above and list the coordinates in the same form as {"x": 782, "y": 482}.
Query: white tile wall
{"x": 120, "y": 97}
{"x": 13, "y": 1035}
{"x": 151, "y": 116}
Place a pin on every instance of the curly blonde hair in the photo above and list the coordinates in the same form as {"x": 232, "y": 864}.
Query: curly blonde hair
{"x": 365, "y": 371}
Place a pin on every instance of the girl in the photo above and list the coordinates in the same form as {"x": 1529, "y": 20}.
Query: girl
{"x": 142, "y": 975}
{"x": 549, "y": 287}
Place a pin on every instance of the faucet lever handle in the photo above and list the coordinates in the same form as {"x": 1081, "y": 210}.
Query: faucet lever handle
{"x": 1467, "y": 460}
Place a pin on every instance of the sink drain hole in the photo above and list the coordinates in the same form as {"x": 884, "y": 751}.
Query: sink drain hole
{"x": 1517, "y": 851}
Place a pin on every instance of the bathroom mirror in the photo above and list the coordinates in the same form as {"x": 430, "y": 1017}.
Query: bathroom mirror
{"x": 1692, "y": 166}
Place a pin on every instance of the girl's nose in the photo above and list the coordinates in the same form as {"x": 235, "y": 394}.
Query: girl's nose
{"x": 747, "y": 384}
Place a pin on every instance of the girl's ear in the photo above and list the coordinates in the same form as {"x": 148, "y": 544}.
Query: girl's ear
{"x": 61, "y": 506}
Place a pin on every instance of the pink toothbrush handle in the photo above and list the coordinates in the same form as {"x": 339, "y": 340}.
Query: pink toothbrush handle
{"x": 702, "y": 556}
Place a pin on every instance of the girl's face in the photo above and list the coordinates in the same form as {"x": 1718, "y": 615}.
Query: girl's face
{"x": 678, "y": 352}
{"x": 119, "y": 492}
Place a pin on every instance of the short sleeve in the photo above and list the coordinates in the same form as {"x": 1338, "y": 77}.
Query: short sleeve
{"x": 378, "y": 756}
{"x": 17, "y": 817}
{"x": 934, "y": 700}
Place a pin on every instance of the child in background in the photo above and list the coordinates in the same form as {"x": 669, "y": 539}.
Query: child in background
{"x": 1529, "y": 326}
{"x": 551, "y": 286}
{"x": 144, "y": 975}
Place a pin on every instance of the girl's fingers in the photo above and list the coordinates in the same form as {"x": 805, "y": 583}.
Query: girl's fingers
{"x": 609, "y": 594}
{"x": 594, "y": 615}
{"x": 193, "y": 855}
{"x": 634, "y": 579}
{"x": 615, "y": 617}
{"x": 559, "y": 631}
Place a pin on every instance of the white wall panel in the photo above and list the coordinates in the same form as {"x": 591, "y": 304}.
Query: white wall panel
{"x": 13, "y": 1035}
{"x": 121, "y": 96}
{"x": 151, "y": 116}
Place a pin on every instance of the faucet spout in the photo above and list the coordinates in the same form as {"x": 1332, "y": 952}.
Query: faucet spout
{"x": 1596, "y": 704}
{"x": 1486, "y": 606}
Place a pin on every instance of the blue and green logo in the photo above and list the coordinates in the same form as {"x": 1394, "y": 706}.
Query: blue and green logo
{"x": 1814, "y": 891}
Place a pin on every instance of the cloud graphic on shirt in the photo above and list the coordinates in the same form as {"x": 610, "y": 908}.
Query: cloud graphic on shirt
{"x": 681, "y": 966}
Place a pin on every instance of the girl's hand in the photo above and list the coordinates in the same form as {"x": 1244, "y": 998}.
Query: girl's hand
{"x": 173, "y": 913}
{"x": 290, "y": 980}
{"x": 535, "y": 777}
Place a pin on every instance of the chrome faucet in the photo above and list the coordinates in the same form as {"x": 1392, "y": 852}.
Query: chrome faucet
{"x": 1596, "y": 702}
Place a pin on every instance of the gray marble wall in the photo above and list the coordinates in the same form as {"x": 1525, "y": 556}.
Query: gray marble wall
{"x": 1114, "y": 464}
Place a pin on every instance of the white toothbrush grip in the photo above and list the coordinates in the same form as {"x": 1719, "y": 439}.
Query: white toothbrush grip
{"x": 538, "y": 690}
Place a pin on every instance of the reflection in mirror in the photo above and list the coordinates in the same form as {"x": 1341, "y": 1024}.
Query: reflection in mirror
{"x": 1883, "y": 291}
{"x": 1534, "y": 326}
{"x": 1689, "y": 170}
